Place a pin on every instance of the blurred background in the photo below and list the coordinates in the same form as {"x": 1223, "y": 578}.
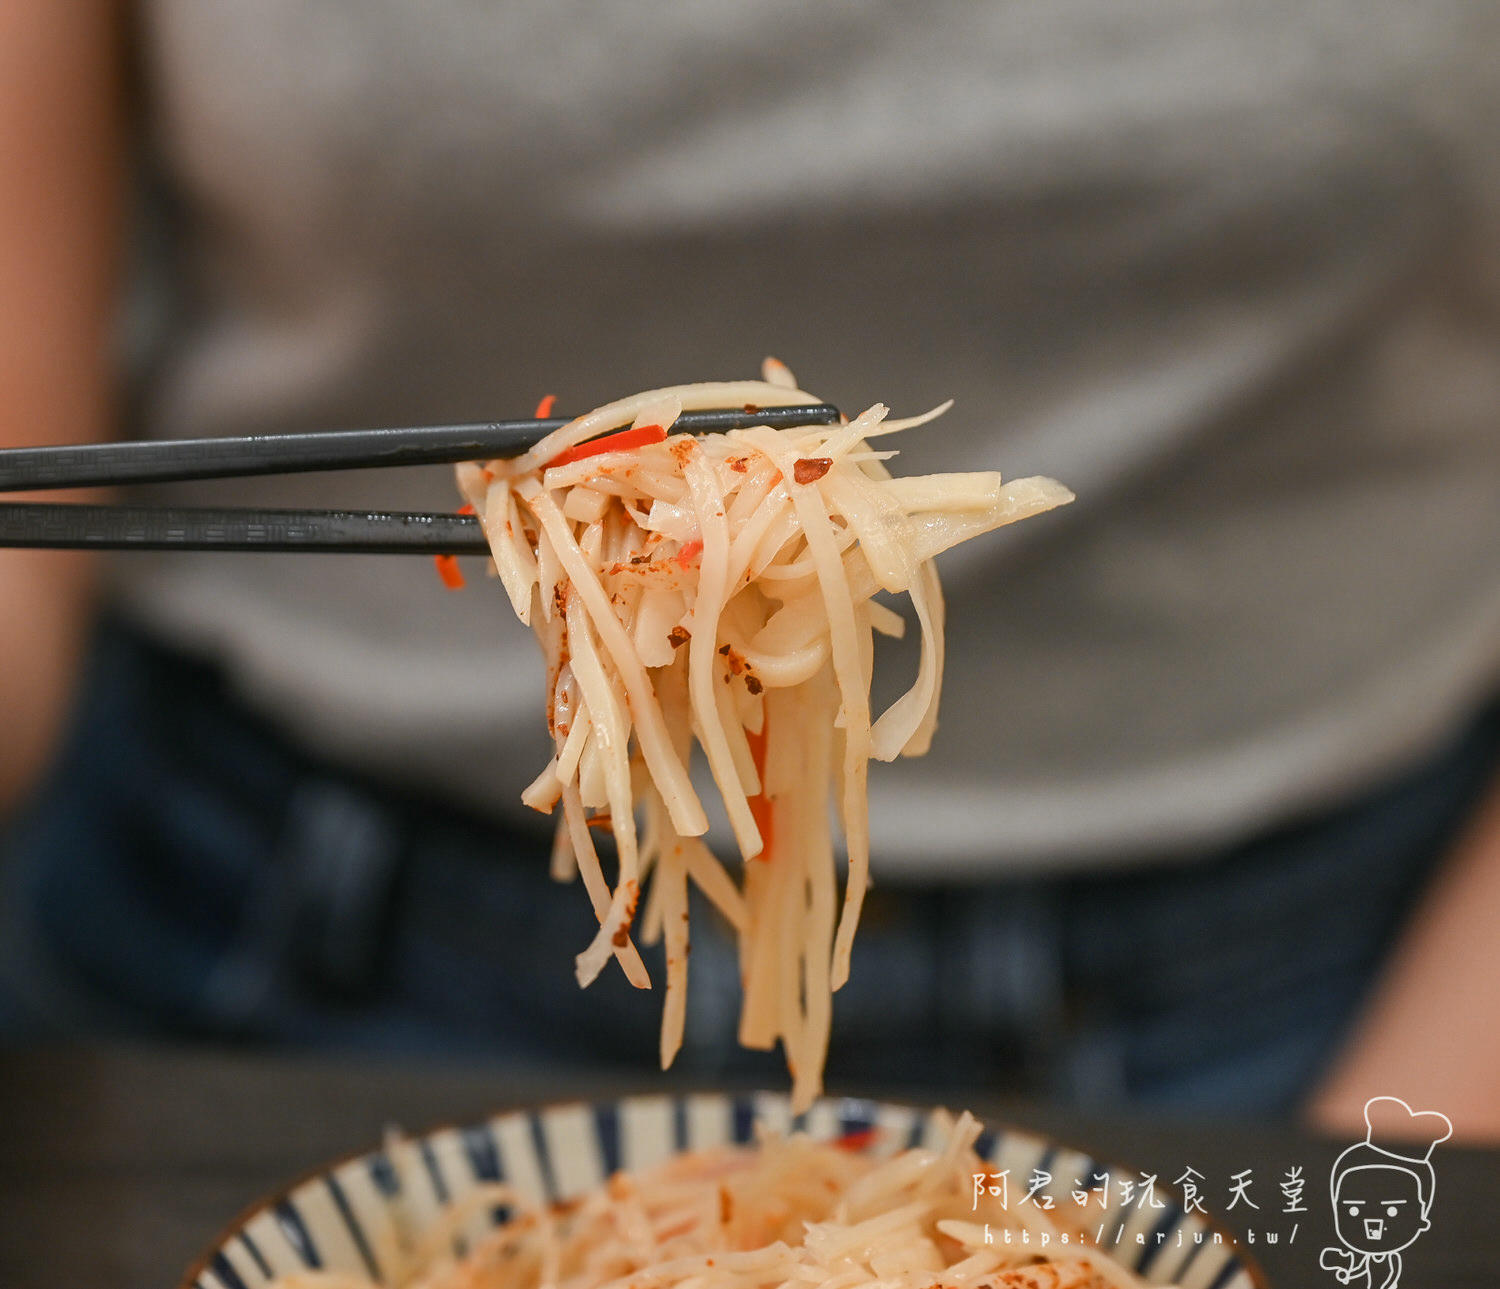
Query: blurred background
{"x": 1210, "y": 819}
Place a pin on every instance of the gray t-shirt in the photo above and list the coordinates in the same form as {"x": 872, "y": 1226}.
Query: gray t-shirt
{"x": 1229, "y": 270}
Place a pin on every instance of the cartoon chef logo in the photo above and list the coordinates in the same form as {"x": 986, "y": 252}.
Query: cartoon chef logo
{"x": 1382, "y": 1192}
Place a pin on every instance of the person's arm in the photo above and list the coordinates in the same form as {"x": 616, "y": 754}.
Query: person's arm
{"x": 61, "y": 181}
{"x": 1431, "y": 1034}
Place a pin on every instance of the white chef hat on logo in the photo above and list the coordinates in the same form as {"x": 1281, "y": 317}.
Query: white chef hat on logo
{"x": 1394, "y": 1128}
{"x": 1396, "y": 1136}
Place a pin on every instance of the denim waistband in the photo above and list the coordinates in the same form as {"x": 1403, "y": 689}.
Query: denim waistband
{"x": 187, "y": 871}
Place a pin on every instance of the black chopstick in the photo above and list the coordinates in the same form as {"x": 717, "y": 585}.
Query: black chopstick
{"x": 87, "y": 465}
{"x": 41, "y": 525}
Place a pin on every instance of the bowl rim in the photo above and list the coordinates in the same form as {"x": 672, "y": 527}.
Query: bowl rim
{"x": 1248, "y": 1262}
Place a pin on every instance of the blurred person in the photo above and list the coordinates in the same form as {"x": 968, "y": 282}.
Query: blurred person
{"x": 1205, "y": 821}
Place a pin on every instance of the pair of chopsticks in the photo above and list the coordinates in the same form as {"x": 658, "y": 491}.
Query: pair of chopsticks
{"x": 66, "y": 526}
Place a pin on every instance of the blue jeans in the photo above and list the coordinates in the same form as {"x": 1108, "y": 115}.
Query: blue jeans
{"x": 186, "y": 871}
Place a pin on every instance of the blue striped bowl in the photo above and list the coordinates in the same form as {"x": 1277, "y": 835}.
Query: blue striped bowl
{"x": 343, "y": 1219}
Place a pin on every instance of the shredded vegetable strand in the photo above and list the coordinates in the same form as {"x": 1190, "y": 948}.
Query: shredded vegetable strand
{"x": 854, "y": 693}
{"x": 611, "y": 740}
{"x": 587, "y": 860}
{"x": 666, "y": 769}
{"x": 713, "y": 576}
{"x": 672, "y": 879}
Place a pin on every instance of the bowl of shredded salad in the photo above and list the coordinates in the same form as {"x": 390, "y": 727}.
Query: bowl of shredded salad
{"x": 719, "y": 1191}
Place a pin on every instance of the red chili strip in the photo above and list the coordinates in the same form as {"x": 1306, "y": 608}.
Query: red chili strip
{"x": 449, "y": 571}
{"x": 544, "y": 408}
{"x": 447, "y": 565}
{"x": 689, "y": 552}
{"x": 857, "y": 1140}
{"x": 624, "y": 441}
{"x": 760, "y": 804}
